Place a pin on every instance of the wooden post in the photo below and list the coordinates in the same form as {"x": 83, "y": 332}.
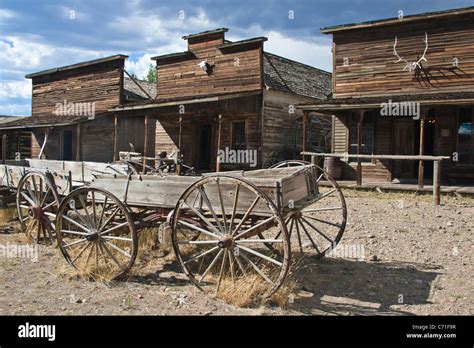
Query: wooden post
{"x": 421, "y": 165}
{"x": 4, "y": 148}
{"x": 78, "y": 142}
{"x": 305, "y": 126}
{"x": 436, "y": 182}
{"x": 218, "y": 160}
{"x": 314, "y": 162}
{"x": 115, "y": 137}
{"x": 359, "y": 144}
{"x": 178, "y": 168}
{"x": 145, "y": 144}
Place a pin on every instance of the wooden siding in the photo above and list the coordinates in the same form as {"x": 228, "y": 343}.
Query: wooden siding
{"x": 18, "y": 141}
{"x": 240, "y": 109}
{"x": 186, "y": 78}
{"x": 283, "y": 129}
{"x": 372, "y": 68}
{"x": 97, "y": 140}
{"x": 99, "y": 83}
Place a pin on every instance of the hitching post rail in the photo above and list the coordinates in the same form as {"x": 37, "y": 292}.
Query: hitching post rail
{"x": 436, "y": 166}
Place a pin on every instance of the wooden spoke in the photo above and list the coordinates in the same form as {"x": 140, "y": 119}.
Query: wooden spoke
{"x": 37, "y": 200}
{"x": 214, "y": 261}
{"x": 112, "y": 237}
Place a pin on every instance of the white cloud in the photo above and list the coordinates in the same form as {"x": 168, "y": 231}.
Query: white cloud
{"x": 308, "y": 52}
{"x": 15, "y": 109}
{"x": 15, "y": 89}
{"x": 6, "y": 14}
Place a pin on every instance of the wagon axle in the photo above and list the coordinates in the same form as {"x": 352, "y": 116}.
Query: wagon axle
{"x": 226, "y": 242}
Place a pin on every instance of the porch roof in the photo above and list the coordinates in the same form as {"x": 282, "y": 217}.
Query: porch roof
{"x": 339, "y": 104}
{"x": 46, "y": 121}
{"x": 164, "y": 102}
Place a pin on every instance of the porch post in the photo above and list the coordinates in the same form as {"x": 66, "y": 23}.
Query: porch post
{"x": 145, "y": 147}
{"x": 115, "y": 137}
{"x": 305, "y": 125}
{"x": 4, "y": 148}
{"x": 218, "y": 162}
{"x": 359, "y": 144}
{"x": 436, "y": 182}
{"x": 178, "y": 168}
{"x": 421, "y": 165}
{"x": 78, "y": 142}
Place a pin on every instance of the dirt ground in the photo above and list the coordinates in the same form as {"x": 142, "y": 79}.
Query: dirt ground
{"x": 399, "y": 256}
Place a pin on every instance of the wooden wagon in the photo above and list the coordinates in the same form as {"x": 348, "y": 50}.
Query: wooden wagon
{"x": 226, "y": 228}
{"x": 40, "y": 185}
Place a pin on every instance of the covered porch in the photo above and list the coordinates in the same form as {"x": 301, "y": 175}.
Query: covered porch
{"x": 196, "y": 128}
{"x": 428, "y": 125}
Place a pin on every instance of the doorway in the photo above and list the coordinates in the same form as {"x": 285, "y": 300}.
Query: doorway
{"x": 66, "y": 148}
{"x": 205, "y": 146}
{"x": 403, "y": 131}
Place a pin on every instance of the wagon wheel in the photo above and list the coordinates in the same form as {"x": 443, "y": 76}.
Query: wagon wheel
{"x": 37, "y": 203}
{"x": 319, "y": 226}
{"x": 96, "y": 234}
{"x": 228, "y": 253}
{"x": 290, "y": 163}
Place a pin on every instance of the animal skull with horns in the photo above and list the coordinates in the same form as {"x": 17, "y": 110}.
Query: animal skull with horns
{"x": 411, "y": 65}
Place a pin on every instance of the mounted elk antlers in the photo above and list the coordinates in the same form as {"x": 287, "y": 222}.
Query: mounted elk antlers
{"x": 411, "y": 65}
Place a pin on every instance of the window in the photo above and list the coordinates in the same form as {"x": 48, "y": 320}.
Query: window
{"x": 465, "y": 134}
{"x": 367, "y": 141}
{"x": 238, "y": 136}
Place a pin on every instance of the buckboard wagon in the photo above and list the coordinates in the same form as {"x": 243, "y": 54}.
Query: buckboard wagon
{"x": 226, "y": 228}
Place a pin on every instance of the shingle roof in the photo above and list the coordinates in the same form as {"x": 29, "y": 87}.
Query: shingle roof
{"x": 289, "y": 76}
{"x": 46, "y": 120}
{"x": 131, "y": 87}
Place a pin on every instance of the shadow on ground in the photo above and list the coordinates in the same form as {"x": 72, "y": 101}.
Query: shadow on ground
{"x": 341, "y": 286}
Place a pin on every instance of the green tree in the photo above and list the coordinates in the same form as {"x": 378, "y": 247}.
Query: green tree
{"x": 151, "y": 75}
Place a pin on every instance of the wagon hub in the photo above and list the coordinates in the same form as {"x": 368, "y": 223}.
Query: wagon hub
{"x": 35, "y": 212}
{"x": 93, "y": 236}
{"x": 226, "y": 242}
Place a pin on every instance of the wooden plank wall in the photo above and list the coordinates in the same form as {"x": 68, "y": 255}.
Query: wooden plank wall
{"x": 100, "y": 83}
{"x": 97, "y": 140}
{"x": 239, "y": 109}
{"x": 17, "y": 141}
{"x": 186, "y": 78}
{"x": 281, "y": 128}
{"x": 372, "y": 69}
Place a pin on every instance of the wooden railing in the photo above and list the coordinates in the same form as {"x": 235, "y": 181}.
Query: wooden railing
{"x": 436, "y": 166}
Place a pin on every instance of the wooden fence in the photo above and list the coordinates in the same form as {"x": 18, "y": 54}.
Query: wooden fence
{"x": 436, "y": 166}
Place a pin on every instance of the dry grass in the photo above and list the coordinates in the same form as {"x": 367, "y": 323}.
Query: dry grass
{"x": 248, "y": 292}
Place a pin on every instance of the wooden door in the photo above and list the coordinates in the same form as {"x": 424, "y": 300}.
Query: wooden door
{"x": 404, "y": 144}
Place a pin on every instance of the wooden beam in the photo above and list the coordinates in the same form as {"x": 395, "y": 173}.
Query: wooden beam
{"x": 145, "y": 144}
{"x": 359, "y": 145}
{"x": 180, "y": 138}
{"x": 305, "y": 125}
{"x": 436, "y": 182}
{"x": 115, "y": 137}
{"x": 218, "y": 162}
{"x": 421, "y": 164}
{"x": 78, "y": 142}
{"x": 4, "y": 148}
{"x": 391, "y": 157}
{"x": 139, "y": 86}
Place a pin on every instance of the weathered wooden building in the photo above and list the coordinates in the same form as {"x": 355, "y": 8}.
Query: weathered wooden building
{"x": 70, "y": 118}
{"x": 217, "y": 94}
{"x": 225, "y": 95}
{"x": 383, "y": 71}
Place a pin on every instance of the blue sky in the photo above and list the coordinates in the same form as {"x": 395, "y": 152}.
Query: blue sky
{"x": 41, "y": 34}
